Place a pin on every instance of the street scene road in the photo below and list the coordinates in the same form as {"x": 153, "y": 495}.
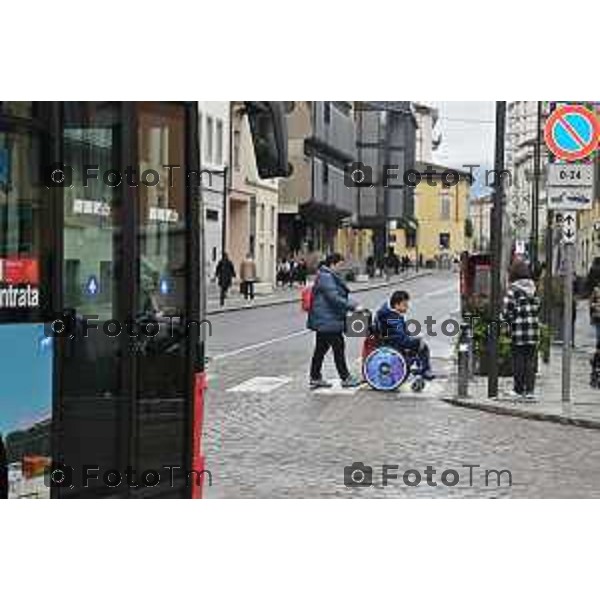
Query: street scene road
{"x": 276, "y": 438}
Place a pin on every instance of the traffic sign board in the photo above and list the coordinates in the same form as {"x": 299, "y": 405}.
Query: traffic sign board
{"x": 570, "y": 186}
{"x": 569, "y": 230}
{"x": 572, "y": 132}
{"x": 570, "y": 175}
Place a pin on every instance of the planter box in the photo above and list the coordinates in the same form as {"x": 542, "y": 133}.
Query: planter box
{"x": 481, "y": 367}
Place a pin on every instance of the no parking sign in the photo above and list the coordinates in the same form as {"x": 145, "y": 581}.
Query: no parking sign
{"x": 572, "y": 132}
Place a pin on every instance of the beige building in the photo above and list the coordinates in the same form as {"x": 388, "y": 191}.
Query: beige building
{"x": 251, "y": 222}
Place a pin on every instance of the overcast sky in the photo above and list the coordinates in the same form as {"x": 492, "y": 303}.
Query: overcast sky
{"x": 467, "y": 130}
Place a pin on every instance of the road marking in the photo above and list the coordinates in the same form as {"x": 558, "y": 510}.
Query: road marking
{"x": 260, "y": 385}
{"x": 260, "y": 345}
{"x": 442, "y": 292}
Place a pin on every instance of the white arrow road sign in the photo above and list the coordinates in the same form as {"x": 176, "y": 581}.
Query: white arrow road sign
{"x": 569, "y": 230}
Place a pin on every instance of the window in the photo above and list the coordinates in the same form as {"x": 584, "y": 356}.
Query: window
{"x": 262, "y": 217}
{"x": 445, "y": 204}
{"x": 219, "y": 142}
{"x": 252, "y": 241}
{"x": 212, "y": 215}
{"x": 214, "y": 254}
{"x": 200, "y": 140}
{"x": 410, "y": 236}
{"x": 445, "y": 241}
{"x": 327, "y": 113}
{"x": 236, "y": 149}
{"x": 209, "y": 140}
{"x": 273, "y": 221}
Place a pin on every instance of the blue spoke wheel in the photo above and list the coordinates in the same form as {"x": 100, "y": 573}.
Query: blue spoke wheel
{"x": 385, "y": 369}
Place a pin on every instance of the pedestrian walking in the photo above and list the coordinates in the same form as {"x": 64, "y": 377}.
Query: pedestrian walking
{"x": 293, "y": 272}
{"x": 521, "y": 310}
{"x": 302, "y": 272}
{"x": 595, "y": 312}
{"x": 225, "y": 273}
{"x": 248, "y": 276}
{"x": 593, "y": 289}
{"x": 327, "y": 318}
{"x": 370, "y": 266}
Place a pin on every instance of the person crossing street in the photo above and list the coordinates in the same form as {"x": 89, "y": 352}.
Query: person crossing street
{"x": 327, "y": 318}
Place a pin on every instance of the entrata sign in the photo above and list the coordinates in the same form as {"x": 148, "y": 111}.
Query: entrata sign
{"x": 572, "y": 132}
{"x": 19, "y": 278}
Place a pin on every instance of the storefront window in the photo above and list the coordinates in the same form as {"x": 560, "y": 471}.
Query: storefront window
{"x": 21, "y": 218}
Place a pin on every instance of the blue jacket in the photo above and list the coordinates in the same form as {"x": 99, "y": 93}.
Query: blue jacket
{"x": 392, "y": 325}
{"x": 330, "y": 303}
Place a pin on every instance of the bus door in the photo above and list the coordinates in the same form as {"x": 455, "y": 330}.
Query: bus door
{"x": 129, "y": 300}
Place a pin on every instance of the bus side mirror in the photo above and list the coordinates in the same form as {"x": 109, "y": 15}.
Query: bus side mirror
{"x": 269, "y": 135}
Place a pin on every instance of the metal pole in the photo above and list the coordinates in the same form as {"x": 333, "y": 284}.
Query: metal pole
{"x": 463, "y": 361}
{"x": 535, "y": 201}
{"x": 496, "y": 248}
{"x": 224, "y": 215}
{"x": 569, "y": 252}
{"x": 548, "y": 271}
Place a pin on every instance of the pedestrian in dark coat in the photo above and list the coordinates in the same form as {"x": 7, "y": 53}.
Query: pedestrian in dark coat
{"x": 327, "y": 317}
{"x": 521, "y": 310}
{"x": 225, "y": 274}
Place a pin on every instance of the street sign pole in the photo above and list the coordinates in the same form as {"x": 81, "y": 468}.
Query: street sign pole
{"x": 569, "y": 228}
{"x": 567, "y": 324}
{"x": 496, "y": 249}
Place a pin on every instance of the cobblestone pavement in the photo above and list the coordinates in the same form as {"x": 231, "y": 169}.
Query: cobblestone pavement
{"x": 274, "y": 438}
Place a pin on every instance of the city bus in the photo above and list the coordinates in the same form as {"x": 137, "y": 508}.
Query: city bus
{"x": 101, "y": 343}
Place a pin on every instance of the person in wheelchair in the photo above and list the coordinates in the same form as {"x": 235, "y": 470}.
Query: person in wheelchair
{"x": 390, "y": 324}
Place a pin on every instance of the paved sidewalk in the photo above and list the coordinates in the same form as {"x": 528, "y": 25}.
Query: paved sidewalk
{"x": 584, "y": 408}
{"x": 235, "y": 301}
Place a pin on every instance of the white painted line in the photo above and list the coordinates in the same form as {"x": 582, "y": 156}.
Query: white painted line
{"x": 442, "y": 292}
{"x": 260, "y": 385}
{"x": 260, "y": 345}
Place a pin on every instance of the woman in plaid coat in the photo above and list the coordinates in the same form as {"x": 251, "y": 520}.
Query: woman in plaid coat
{"x": 521, "y": 310}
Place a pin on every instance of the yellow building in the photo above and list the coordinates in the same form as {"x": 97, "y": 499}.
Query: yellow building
{"x": 355, "y": 245}
{"x": 440, "y": 215}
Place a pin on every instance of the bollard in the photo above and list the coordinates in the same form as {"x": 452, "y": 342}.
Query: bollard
{"x": 463, "y": 361}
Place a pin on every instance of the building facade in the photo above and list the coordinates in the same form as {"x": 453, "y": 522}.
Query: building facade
{"x": 252, "y": 217}
{"x": 426, "y": 141}
{"x": 213, "y": 128}
{"x": 440, "y": 215}
{"x": 315, "y": 199}
{"x": 386, "y": 140}
{"x": 523, "y": 125}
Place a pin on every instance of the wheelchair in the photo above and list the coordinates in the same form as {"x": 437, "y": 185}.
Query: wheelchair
{"x": 385, "y": 369}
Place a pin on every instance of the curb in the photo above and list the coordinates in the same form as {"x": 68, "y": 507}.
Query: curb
{"x": 373, "y": 286}
{"x": 523, "y": 413}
